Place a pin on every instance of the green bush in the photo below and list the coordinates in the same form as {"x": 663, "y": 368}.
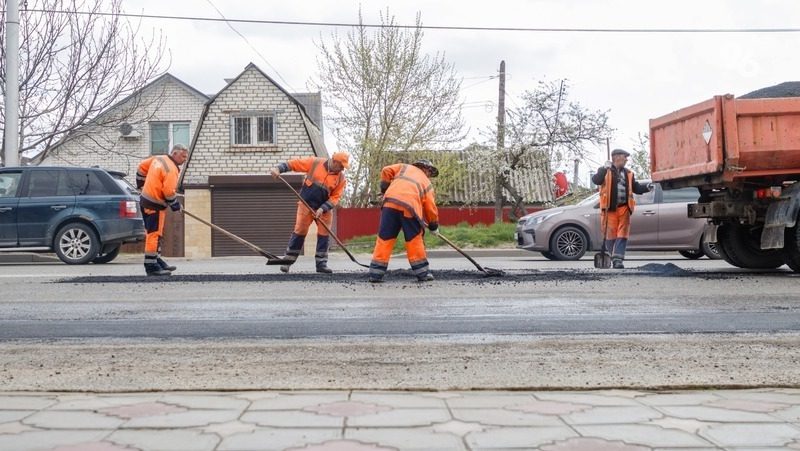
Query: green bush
{"x": 463, "y": 235}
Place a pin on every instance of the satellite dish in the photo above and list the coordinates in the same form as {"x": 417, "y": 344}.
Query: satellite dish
{"x": 125, "y": 129}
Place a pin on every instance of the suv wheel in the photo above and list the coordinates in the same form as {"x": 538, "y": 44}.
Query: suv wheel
{"x": 568, "y": 243}
{"x": 108, "y": 256}
{"x": 76, "y": 244}
{"x": 693, "y": 254}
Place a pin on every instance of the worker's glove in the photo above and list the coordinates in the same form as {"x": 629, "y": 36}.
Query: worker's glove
{"x": 275, "y": 173}
{"x": 175, "y": 206}
{"x": 607, "y": 164}
{"x": 650, "y": 187}
{"x": 433, "y": 227}
{"x": 139, "y": 184}
{"x": 320, "y": 211}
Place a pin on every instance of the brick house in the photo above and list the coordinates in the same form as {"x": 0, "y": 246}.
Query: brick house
{"x": 163, "y": 113}
{"x": 246, "y": 129}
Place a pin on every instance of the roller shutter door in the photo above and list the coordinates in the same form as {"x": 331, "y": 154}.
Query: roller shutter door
{"x": 262, "y": 215}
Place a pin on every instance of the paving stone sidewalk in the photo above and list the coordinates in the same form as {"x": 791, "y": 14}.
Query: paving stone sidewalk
{"x": 762, "y": 419}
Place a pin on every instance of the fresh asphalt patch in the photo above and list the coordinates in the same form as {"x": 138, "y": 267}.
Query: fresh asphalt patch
{"x": 461, "y": 277}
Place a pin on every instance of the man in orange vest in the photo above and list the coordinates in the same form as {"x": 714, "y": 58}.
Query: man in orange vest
{"x": 322, "y": 188}
{"x": 157, "y": 179}
{"x": 617, "y": 187}
{"x": 409, "y": 204}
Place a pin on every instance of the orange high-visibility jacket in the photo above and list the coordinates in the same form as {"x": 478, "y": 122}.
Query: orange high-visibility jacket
{"x": 411, "y": 191}
{"x": 160, "y": 175}
{"x": 321, "y": 189}
{"x": 609, "y": 186}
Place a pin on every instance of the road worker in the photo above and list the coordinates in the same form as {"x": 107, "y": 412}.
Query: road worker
{"x": 322, "y": 188}
{"x": 409, "y": 204}
{"x": 157, "y": 179}
{"x": 617, "y": 187}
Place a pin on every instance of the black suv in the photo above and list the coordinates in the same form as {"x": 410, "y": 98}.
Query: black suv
{"x": 82, "y": 214}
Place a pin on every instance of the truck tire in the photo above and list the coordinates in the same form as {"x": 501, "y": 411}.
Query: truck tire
{"x": 740, "y": 246}
{"x": 791, "y": 248}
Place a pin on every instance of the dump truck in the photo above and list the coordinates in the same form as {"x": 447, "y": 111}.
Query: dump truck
{"x": 743, "y": 154}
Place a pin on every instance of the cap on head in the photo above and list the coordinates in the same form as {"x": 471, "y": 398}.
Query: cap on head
{"x": 620, "y": 152}
{"x": 426, "y": 164}
{"x": 342, "y": 158}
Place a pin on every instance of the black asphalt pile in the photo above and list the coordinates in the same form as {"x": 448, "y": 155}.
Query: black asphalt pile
{"x": 665, "y": 269}
{"x": 785, "y": 89}
{"x": 394, "y": 276}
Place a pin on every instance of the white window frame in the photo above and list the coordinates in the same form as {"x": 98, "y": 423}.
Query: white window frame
{"x": 170, "y": 134}
{"x": 254, "y": 117}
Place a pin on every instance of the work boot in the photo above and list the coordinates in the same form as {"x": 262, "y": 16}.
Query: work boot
{"x": 152, "y": 269}
{"x": 323, "y": 268}
{"x": 164, "y": 265}
{"x": 427, "y": 277}
{"x": 375, "y": 279}
{"x": 616, "y": 263}
{"x": 285, "y": 268}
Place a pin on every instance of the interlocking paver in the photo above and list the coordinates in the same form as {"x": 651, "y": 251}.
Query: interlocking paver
{"x": 292, "y": 418}
{"x": 278, "y": 439}
{"x": 612, "y": 415}
{"x": 39, "y": 440}
{"x": 678, "y": 399}
{"x": 73, "y": 420}
{"x": 760, "y": 435}
{"x": 645, "y": 435}
{"x": 229, "y": 428}
{"x": 26, "y": 402}
{"x": 681, "y": 424}
{"x": 167, "y": 440}
{"x": 7, "y": 416}
{"x": 89, "y": 402}
{"x": 748, "y": 405}
{"x": 398, "y": 400}
{"x": 15, "y": 427}
{"x": 787, "y": 397}
{"x": 717, "y": 414}
{"x": 342, "y": 445}
{"x": 197, "y": 401}
{"x": 297, "y": 401}
{"x": 789, "y": 414}
{"x": 94, "y": 446}
{"x": 347, "y": 408}
{"x": 516, "y": 437}
{"x": 504, "y": 417}
{"x": 456, "y": 427}
{"x": 401, "y": 418}
{"x": 406, "y": 438}
{"x": 587, "y": 398}
{"x": 594, "y": 444}
{"x": 192, "y": 418}
{"x": 550, "y": 407}
{"x": 473, "y": 400}
{"x": 142, "y": 409}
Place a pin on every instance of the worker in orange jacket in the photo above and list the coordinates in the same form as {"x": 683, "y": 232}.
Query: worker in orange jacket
{"x": 322, "y": 188}
{"x": 617, "y": 187}
{"x": 157, "y": 179}
{"x": 409, "y": 204}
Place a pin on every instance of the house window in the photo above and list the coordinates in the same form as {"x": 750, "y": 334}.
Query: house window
{"x": 252, "y": 130}
{"x": 164, "y": 135}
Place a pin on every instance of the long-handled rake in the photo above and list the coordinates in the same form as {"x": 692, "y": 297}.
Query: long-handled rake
{"x": 322, "y": 223}
{"x": 272, "y": 259}
{"x": 491, "y": 272}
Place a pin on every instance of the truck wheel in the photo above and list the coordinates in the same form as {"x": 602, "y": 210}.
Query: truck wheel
{"x": 568, "y": 243}
{"x": 741, "y": 246}
{"x": 76, "y": 244}
{"x": 791, "y": 248}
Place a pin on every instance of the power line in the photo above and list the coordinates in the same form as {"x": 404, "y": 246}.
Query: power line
{"x": 432, "y": 27}
{"x": 251, "y": 45}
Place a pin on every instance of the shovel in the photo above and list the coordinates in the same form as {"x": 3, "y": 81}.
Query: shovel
{"x": 322, "y": 223}
{"x": 601, "y": 259}
{"x": 272, "y": 259}
{"x": 488, "y": 271}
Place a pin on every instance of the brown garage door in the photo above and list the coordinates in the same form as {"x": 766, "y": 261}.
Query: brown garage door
{"x": 254, "y": 208}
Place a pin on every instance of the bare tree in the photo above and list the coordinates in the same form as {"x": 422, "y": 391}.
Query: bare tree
{"x": 77, "y": 59}
{"x": 387, "y": 96}
{"x": 544, "y": 132}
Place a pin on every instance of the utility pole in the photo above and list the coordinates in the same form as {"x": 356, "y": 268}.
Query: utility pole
{"x": 501, "y": 130}
{"x": 575, "y": 177}
{"x": 11, "y": 129}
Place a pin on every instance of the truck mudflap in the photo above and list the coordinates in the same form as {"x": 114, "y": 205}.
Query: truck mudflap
{"x": 780, "y": 215}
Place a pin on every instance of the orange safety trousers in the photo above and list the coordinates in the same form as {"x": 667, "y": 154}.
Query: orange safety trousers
{"x": 154, "y": 226}
{"x": 302, "y": 222}
{"x": 618, "y": 223}
{"x": 391, "y": 223}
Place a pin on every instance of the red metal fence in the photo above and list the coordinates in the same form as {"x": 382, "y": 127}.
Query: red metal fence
{"x": 352, "y": 222}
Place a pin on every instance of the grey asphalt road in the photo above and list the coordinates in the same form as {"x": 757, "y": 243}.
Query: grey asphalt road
{"x": 341, "y": 331}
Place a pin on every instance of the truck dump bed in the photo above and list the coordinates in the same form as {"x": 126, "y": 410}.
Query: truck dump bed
{"x": 725, "y": 141}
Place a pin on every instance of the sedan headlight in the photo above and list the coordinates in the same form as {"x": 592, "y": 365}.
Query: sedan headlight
{"x": 536, "y": 220}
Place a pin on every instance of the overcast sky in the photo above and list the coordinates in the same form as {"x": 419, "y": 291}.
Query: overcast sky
{"x": 636, "y": 76}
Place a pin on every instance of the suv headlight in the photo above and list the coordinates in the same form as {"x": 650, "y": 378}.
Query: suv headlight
{"x": 536, "y": 220}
